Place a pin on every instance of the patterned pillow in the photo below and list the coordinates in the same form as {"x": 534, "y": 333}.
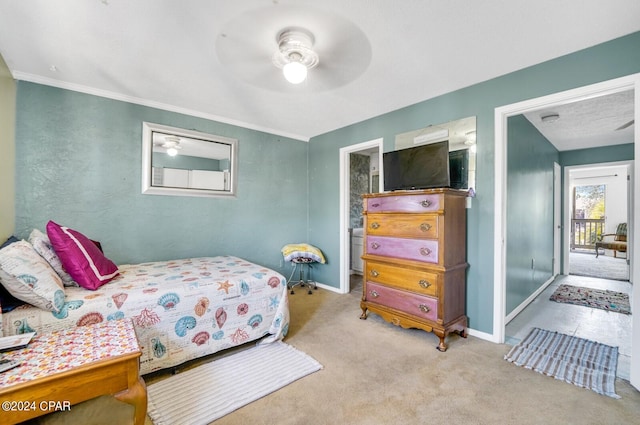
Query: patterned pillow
{"x": 80, "y": 257}
{"x": 28, "y": 277}
{"x": 42, "y": 245}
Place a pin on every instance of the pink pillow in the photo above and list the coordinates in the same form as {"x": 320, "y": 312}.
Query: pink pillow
{"x": 80, "y": 257}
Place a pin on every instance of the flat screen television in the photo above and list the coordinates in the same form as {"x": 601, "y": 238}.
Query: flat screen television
{"x": 420, "y": 167}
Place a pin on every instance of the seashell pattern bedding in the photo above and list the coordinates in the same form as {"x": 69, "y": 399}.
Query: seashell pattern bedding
{"x": 181, "y": 309}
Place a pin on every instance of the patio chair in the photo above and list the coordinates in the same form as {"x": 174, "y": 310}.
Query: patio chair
{"x": 619, "y": 242}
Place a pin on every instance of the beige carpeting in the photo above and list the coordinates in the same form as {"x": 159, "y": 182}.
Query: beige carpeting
{"x": 377, "y": 373}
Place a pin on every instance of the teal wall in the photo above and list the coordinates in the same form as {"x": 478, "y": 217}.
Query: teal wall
{"x": 529, "y": 253}
{"x": 606, "y": 61}
{"x": 597, "y": 155}
{"x": 78, "y": 161}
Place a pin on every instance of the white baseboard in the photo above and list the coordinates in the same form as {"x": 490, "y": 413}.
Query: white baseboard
{"x": 528, "y": 301}
{"x": 482, "y": 335}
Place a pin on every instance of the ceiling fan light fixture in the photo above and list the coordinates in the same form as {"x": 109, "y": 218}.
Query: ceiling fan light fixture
{"x": 295, "y": 72}
{"x": 172, "y": 144}
{"x": 295, "y": 55}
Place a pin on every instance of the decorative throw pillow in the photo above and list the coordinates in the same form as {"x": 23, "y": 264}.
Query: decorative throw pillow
{"x": 42, "y": 245}
{"x": 28, "y": 277}
{"x": 80, "y": 257}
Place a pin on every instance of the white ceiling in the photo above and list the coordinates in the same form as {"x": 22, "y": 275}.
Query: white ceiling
{"x": 212, "y": 58}
{"x": 600, "y": 121}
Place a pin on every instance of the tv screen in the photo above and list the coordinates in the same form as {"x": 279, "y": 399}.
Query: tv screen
{"x": 459, "y": 169}
{"x": 420, "y": 167}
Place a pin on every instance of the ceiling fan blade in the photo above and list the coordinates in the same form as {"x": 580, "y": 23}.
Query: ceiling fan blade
{"x": 623, "y": 126}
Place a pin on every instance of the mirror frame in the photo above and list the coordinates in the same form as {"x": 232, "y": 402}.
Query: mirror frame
{"x": 147, "y": 152}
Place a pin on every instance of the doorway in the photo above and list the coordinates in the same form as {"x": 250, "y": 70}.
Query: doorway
{"x": 597, "y": 201}
{"x": 501, "y": 114}
{"x": 372, "y": 149}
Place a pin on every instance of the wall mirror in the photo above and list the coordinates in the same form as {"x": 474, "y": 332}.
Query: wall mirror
{"x": 461, "y": 135}
{"x": 187, "y": 163}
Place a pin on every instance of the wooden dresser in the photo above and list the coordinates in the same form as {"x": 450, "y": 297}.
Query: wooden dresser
{"x": 415, "y": 260}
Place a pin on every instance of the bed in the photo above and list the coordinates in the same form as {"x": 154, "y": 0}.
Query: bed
{"x": 181, "y": 309}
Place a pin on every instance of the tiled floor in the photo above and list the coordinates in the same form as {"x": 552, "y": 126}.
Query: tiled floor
{"x": 590, "y": 323}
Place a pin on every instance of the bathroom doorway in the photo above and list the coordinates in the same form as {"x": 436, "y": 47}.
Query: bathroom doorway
{"x": 360, "y": 172}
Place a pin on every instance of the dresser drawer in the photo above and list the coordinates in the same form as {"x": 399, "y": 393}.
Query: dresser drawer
{"x": 413, "y": 304}
{"x": 407, "y": 225}
{"x": 410, "y": 249}
{"x": 420, "y": 281}
{"x": 406, "y": 203}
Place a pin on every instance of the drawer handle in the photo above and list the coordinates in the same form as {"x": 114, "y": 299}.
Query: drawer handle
{"x": 374, "y": 294}
{"x": 375, "y": 245}
{"x": 424, "y": 283}
{"x": 424, "y": 308}
{"x": 425, "y": 227}
{"x": 376, "y": 205}
{"x": 375, "y": 225}
{"x": 425, "y": 251}
{"x": 426, "y": 203}
{"x": 374, "y": 273}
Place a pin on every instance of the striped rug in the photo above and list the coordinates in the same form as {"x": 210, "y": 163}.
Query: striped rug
{"x": 578, "y": 361}
{"x": 208, "y": 392}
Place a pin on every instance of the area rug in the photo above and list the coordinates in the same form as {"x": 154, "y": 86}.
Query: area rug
{"x": 590, "y": 297}
{"x": 208, "y": 392}
{"x": 578, "y": 361}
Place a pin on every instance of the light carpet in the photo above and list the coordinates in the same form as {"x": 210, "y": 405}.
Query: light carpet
{"x": 603, "y": 267}
{"x": 208, "y": 392}
{"x": 603, "y": 299}
{"x": 578, "y": 361}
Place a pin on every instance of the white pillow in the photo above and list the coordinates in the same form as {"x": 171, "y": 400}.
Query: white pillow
{"x": 42, "y": 245}
{"x": 28, "y": 277}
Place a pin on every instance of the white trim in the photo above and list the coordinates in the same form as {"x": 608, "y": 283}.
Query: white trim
{"x": 481, "y": 335}
{"x": 528, "y": 301}
{"x": 500, "y": 118}
{"x": 344, "y": 203}
{"x": 557, "y": 219}
{"x": 23, "y": 76}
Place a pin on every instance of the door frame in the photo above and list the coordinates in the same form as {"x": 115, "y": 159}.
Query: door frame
{"x": 567, "y": 204}
{"x": 345, "y": 183}
{"x": 501, "y": 114}
{"x": 557, "y": 218}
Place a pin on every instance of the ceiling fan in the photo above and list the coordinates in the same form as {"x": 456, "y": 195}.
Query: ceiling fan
{"x": 171, "y": 144}
{"x": 253, "y": 46}
{"x": 625, "y": 125}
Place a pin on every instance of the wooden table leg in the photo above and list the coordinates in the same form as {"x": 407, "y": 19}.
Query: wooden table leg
{"x": 136, "y": 395}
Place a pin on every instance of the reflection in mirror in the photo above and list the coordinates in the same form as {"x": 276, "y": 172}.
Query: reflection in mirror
{"x": 187, "y": 163}
{"x": 461, "y": 135}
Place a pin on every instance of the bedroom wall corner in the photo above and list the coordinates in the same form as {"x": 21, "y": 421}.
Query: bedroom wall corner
{"x": 7, "y": 147}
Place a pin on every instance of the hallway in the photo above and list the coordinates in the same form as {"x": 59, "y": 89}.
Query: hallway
{"x": 590, "y": 323}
